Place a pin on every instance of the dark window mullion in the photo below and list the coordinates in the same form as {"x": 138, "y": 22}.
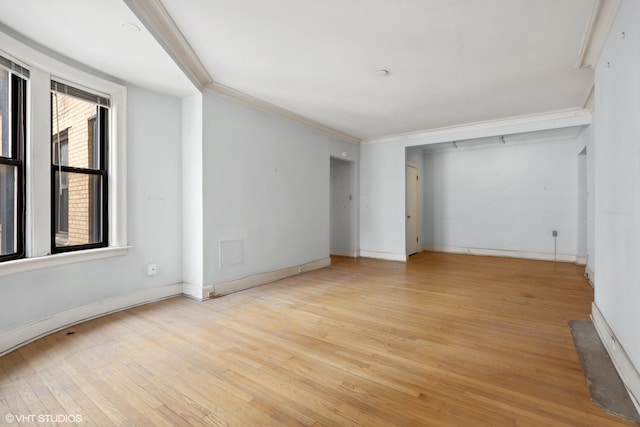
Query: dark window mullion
{"x": 22, "y": 216}
{"x": 14, "y": 126}
{"x": 103, "y": 127}
{"x": 74, "y": 248}
{"x": 20, "y": 139}
{"x": 10, "y": 162}
{"x": 103, "y": 134}
{"x": 54, "y": 169}
{"x": 72, "y": 169}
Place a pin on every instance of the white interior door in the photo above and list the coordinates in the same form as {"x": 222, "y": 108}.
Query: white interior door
{"x": 412, "y": 210}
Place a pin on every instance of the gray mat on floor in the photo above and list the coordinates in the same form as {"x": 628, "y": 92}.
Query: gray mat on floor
{"x": 605, "y": 386}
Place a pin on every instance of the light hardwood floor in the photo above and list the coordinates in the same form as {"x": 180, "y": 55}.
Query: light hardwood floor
{"x": 444, "y": 340}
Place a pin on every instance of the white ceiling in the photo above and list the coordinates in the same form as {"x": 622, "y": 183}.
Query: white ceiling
{"x": 451, "y": 62}
{"x": 90, "y": 32}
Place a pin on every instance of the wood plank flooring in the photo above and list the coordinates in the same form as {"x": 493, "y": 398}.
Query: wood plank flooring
{"x": 443, "y": 340}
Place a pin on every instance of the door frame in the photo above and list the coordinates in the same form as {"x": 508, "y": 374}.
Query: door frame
{"x": 354, "y": 202}
{"x": 417, "y": 213}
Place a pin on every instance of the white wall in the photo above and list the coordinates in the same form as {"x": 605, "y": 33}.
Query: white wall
{"x": 617, "y": 180}
{"x": 343, "y": 212}
{"x": 382, "y": 201}
{"x": 154, "y": 226}
{"x": 192, "y": 172}
{"x": 382, "y": 175}
{"x": 588, "y": 136}
{"x": 504, "y": 197}
{"x": 248, "y": 175}
{"x": 266, "y": 190}
{"x": 586, "y": 151}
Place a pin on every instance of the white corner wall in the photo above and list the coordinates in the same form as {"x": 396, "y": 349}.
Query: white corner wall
{"x": 192, "y": 173}
{"x": 266, "y": 191}
{"x": 589, "y": 138}
{"x": 503, "y": 197}
{"x": 617, "y": 183}
{"x": 382, "y": 201}
{"x": 39, "y": 300}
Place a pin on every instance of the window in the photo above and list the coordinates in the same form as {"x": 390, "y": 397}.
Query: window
{"x": 79, "y": 174}
{"x": 62, "y": 162}
{"x": 13, "y": 90}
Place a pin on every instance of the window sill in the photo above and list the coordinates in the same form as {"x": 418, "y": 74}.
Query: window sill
{"x": 29, "y": 264}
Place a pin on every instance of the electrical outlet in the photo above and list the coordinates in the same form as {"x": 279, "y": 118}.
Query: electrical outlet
{"x": 554, "y": 233}
{"x": 152, "y": 269}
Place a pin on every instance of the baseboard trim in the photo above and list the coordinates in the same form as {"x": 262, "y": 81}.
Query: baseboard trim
{"x": 581, "y": 260}
{"x": 384, "y": 255}
{"x": 23, "y": 335}
{"x": 501, "y": 253}
{"x": 627, "y": 371}
{"x": 220, "y": 289}
{"x": 591, "y": 276}
{"x": 344, "y": 252}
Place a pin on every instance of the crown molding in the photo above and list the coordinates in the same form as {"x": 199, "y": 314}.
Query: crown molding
{"x": 237, "y": 95}
{"x": 161, "y": 25}
{"x": 602, "y": 17}
{"x": 495, "y": 142}
{"x": 155, "y": 17}
{"x": 519, "y": 124}
{"x": 163, "y": 28}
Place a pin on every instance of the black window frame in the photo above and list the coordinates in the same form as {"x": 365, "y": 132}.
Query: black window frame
{"x": 102, "y": 125}
{"x": 18, "y": 137}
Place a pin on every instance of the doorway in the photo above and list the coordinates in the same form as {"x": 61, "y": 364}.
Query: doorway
{"x": 582, "y": 249}
{"x": 412, "y": 227}
{"x": 343, "y": 212}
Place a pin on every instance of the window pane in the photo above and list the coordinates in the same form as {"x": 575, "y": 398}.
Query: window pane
{"x": 78, "y": 208}
{"x": 75, "y": 141}
{"x": 8, "y": 209}
{"x": 5, "y": 143}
